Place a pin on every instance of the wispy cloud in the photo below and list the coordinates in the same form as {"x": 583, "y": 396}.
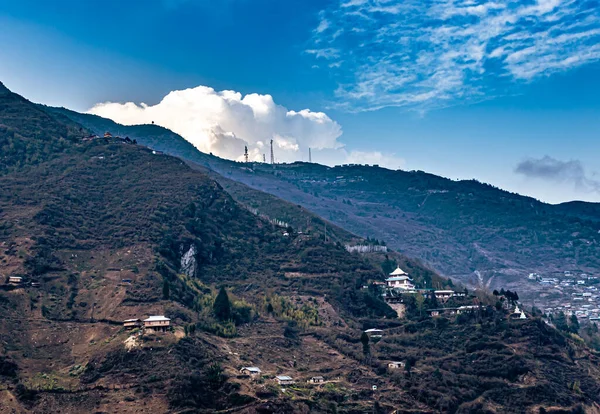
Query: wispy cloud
{"x": 429, "y": 53}
{"x": 325, "y": 53}
{"x": 551, "y": 169}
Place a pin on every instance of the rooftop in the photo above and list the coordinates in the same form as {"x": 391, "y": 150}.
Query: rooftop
{"x": 156, "y": 318}
{"x": 398, "y": 272}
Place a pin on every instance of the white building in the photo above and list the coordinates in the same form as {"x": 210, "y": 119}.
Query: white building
{"x": 374, "y": 333}
{"x": 443, "y": 294}
{"x": 396, "y": 364}
{"x": 15, "y": 280}
{"x": 399, "y": 279}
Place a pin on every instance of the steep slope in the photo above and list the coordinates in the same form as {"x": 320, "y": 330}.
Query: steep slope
{"x": 458, "y": 227}
{"x": 162, "y": 139}
{"x": 112, "y": 231}
{"x": 464, "y": 229}
{"x": 28, "y": 135}
{"x": 276, "y": 208}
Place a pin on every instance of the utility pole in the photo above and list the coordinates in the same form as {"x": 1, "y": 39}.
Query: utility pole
{"x": 246, "y": 153}
{"x": 272, "y": 156}
{"x": 309, "y": 155}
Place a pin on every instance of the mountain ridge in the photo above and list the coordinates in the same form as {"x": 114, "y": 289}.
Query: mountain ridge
{"x": 469, "y": 230}
{"x": 104, "y": 230}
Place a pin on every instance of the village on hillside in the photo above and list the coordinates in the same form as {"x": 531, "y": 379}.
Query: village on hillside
{"x": 399, "y": 286}
{"x": 571, "y": 293}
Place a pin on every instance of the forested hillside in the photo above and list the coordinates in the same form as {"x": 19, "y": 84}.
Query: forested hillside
{"x": 104, "y": 231}
{"x": 471, "y": 231}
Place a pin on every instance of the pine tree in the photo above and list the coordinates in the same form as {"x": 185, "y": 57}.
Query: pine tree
{"x": 574, "y": 325}
{"x": 222, "y": 306}
{"x": 561, "y": 322}
{"x": 364, "y": 338}
{"x": 433, "y": 302}
{"x": 420, "y": 301}
{"x": 166, "y": 289}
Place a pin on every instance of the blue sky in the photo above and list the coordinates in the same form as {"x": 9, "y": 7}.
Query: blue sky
{"x": 502, "y": 91}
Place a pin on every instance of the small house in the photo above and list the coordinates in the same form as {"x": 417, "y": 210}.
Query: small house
{"x": 107, "y": 135}
{"x": 284, "y": 380}
{"x": 374, "y": 333}
{"x": 396, "y": 364}
{"x": 157, "y": 323}
{"x": 466, "y": 309}
{"x": 316, "y": 380}
{"x": 251, "y": 371}
{"x": 132, "y": 323}
{"x": 443, "y": 294}
{"x": 15, "y": 280}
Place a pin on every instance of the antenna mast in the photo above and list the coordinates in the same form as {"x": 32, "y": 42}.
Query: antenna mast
{"x": 246, "y": 153}
{"x": 272, "y": 156}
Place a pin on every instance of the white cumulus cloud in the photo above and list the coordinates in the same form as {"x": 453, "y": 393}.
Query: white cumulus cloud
{"x": 224, "y": 122}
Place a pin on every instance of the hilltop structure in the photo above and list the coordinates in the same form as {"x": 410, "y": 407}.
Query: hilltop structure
{"x": 399, "y": 279}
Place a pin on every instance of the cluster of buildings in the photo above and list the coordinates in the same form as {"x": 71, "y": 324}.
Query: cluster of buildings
{"x": 399, "y": 283}
{"x": 109, "y": 136}
{"x": 571, "y": 293}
